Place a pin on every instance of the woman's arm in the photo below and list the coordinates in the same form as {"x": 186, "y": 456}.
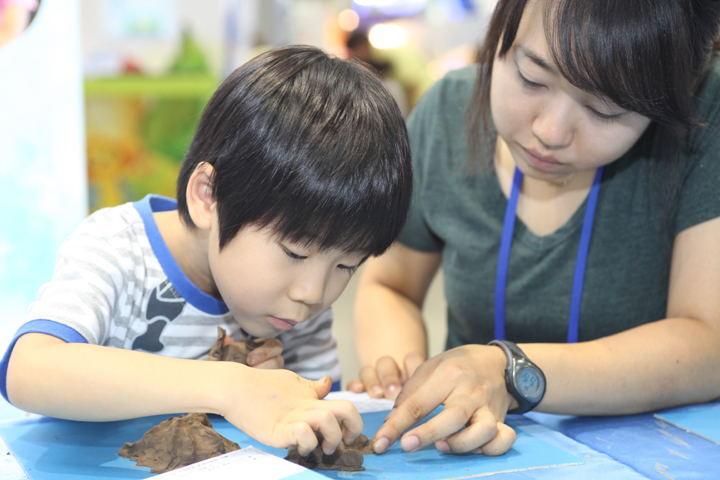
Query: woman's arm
{"x": 658, "y": 365}
{"x": 390, "y": 334}
{"x": 95, "y": 383}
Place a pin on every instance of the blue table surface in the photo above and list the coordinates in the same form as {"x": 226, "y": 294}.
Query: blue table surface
{"x": 50, "y": 448}
{"x": 624, "y": 447}
{"x": 649, "y": 445}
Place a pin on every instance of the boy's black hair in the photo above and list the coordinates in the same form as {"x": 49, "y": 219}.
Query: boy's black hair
{"x": 308, "y": 144}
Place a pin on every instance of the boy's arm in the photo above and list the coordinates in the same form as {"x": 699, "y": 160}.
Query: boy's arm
{"x": 95, "y": 383}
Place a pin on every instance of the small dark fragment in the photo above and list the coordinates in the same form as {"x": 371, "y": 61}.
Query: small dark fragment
{"x": 177, "y": 442}
{"x": 347, "y": 458}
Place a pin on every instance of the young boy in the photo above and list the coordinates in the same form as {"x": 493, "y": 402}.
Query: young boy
{"x": 299, "y": 170}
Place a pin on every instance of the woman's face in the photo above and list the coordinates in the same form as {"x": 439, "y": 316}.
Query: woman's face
{"x": 552, "y": 128}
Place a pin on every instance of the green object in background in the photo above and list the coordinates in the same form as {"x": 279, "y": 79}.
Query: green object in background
{"x": 169, "y": 125}
{"x": 190, "y": 59}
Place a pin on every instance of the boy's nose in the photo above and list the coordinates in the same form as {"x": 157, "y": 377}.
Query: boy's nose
{"x": 309, "y": 290}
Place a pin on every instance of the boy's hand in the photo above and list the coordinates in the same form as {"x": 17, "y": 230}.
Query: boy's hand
{"x": 267, "y": 356}
{"x": 281, "y": 409}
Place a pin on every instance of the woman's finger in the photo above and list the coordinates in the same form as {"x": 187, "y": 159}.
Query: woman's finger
{"x": 482, "y": 428}
{"x": 369, "y": 377}
{"x": 356, "y": 386}
{"x": 412, "y": 362}
{"x": 389, "y": 374}
{"x": 453, "y": 418}
{"x": 501, "y": 443}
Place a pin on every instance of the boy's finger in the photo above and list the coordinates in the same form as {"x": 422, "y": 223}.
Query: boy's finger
{"x": 274, "y": 363}
{"x": 302, "y": 435}
{"x": 325, "y": 422}
{"x": 322, "y": 387}
{"x": 389, "y": 374}
{"x": 348, "y": 415}
{"x": 271, "y": 347}
{"x": 369, "y": 377}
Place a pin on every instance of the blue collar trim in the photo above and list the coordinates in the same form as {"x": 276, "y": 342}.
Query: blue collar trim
{"x": 196, "y": 297}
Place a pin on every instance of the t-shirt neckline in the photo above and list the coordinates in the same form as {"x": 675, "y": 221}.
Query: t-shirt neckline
{"x": 199, "y": 299}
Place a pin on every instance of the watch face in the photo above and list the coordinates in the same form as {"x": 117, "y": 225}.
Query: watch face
{"x": 530, "y": 383}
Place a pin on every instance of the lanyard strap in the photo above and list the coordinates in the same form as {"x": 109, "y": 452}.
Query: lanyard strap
{"x": 504, "y": 257}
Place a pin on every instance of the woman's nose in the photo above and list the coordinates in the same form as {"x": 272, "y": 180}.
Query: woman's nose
{"x": 554, "y": 125}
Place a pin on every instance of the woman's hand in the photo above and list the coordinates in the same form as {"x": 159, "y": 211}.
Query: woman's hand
{"x": 282, "y": 409}
{"x": 385, "y": 379}
{"x": 469, "y": 381}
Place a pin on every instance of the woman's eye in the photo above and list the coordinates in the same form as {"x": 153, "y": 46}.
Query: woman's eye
{"x": 605, "y": 117}
{"x": 527, "y": 83}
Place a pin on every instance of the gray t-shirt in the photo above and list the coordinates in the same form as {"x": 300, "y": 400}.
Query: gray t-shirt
{"x": 117, "y": 284}
{"x": 461, "y": 215}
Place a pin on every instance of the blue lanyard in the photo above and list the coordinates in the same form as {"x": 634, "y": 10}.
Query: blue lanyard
{"x": 504, "y": 258}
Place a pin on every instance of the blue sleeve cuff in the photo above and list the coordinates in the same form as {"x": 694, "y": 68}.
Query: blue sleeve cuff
{"x": 63, "y": 332}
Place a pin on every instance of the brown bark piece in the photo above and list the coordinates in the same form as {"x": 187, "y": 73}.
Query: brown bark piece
{"x": 348, "y": 458}
{"x": 231, "y": 353}
{"x": 177, "y": 442}
{"x": 181, "y": 441}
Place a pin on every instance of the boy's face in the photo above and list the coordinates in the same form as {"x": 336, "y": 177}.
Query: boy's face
{"x": 269, "y": 285}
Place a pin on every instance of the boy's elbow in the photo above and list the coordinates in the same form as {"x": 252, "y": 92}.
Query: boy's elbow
{"x": 27, "y": 369}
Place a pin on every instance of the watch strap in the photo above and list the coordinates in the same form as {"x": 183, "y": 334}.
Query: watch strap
{"x": 512, "y": 351}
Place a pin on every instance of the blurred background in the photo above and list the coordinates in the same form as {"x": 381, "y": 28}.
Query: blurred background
{"x": 99, "y": 100}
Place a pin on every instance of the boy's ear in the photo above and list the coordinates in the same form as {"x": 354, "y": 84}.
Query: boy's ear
{"x": 200, "y": 200}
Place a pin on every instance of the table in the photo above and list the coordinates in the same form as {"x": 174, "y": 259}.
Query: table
{"x": 647, "y": 443}
{"x": 628, "y": 447}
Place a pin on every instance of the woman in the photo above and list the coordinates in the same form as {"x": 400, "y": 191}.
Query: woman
{"x": 575, "y": 210}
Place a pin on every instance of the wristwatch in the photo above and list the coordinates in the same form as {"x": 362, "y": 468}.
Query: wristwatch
{"x": 524, "y": 380}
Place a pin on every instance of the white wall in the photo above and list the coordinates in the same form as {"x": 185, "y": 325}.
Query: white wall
{"x": 43, "y": 191}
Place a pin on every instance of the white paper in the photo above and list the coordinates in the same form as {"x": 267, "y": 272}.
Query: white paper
{"x": 362, "y": 401}
{"x": 248, "y": 463}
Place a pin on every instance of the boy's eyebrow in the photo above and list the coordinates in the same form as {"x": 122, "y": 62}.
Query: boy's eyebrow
{"x": 537, "y": 59}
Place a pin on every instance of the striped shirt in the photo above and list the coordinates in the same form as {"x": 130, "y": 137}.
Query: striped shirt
{"x": 116, "y": 284}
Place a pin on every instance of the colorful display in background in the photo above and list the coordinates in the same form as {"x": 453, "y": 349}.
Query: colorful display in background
{"x": 139, "y": 128}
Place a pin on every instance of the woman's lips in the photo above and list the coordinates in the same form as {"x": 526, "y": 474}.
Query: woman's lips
{"x": 542, "y": 163}
{"x": 281, "y": 323}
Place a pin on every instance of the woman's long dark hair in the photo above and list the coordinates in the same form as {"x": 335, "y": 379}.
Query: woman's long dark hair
{"x": 647, "y": 57}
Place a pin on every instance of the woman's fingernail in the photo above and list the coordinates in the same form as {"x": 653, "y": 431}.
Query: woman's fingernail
{"x": 477, "y": 450}
{"x": 251, "y": 360}
{"x": 381, "y": 445}
{"x": 410, "y": 444}
{"x": 377, "y": 391}
{"x": 392, "y": 390}
{"x": 442, "y": 447}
